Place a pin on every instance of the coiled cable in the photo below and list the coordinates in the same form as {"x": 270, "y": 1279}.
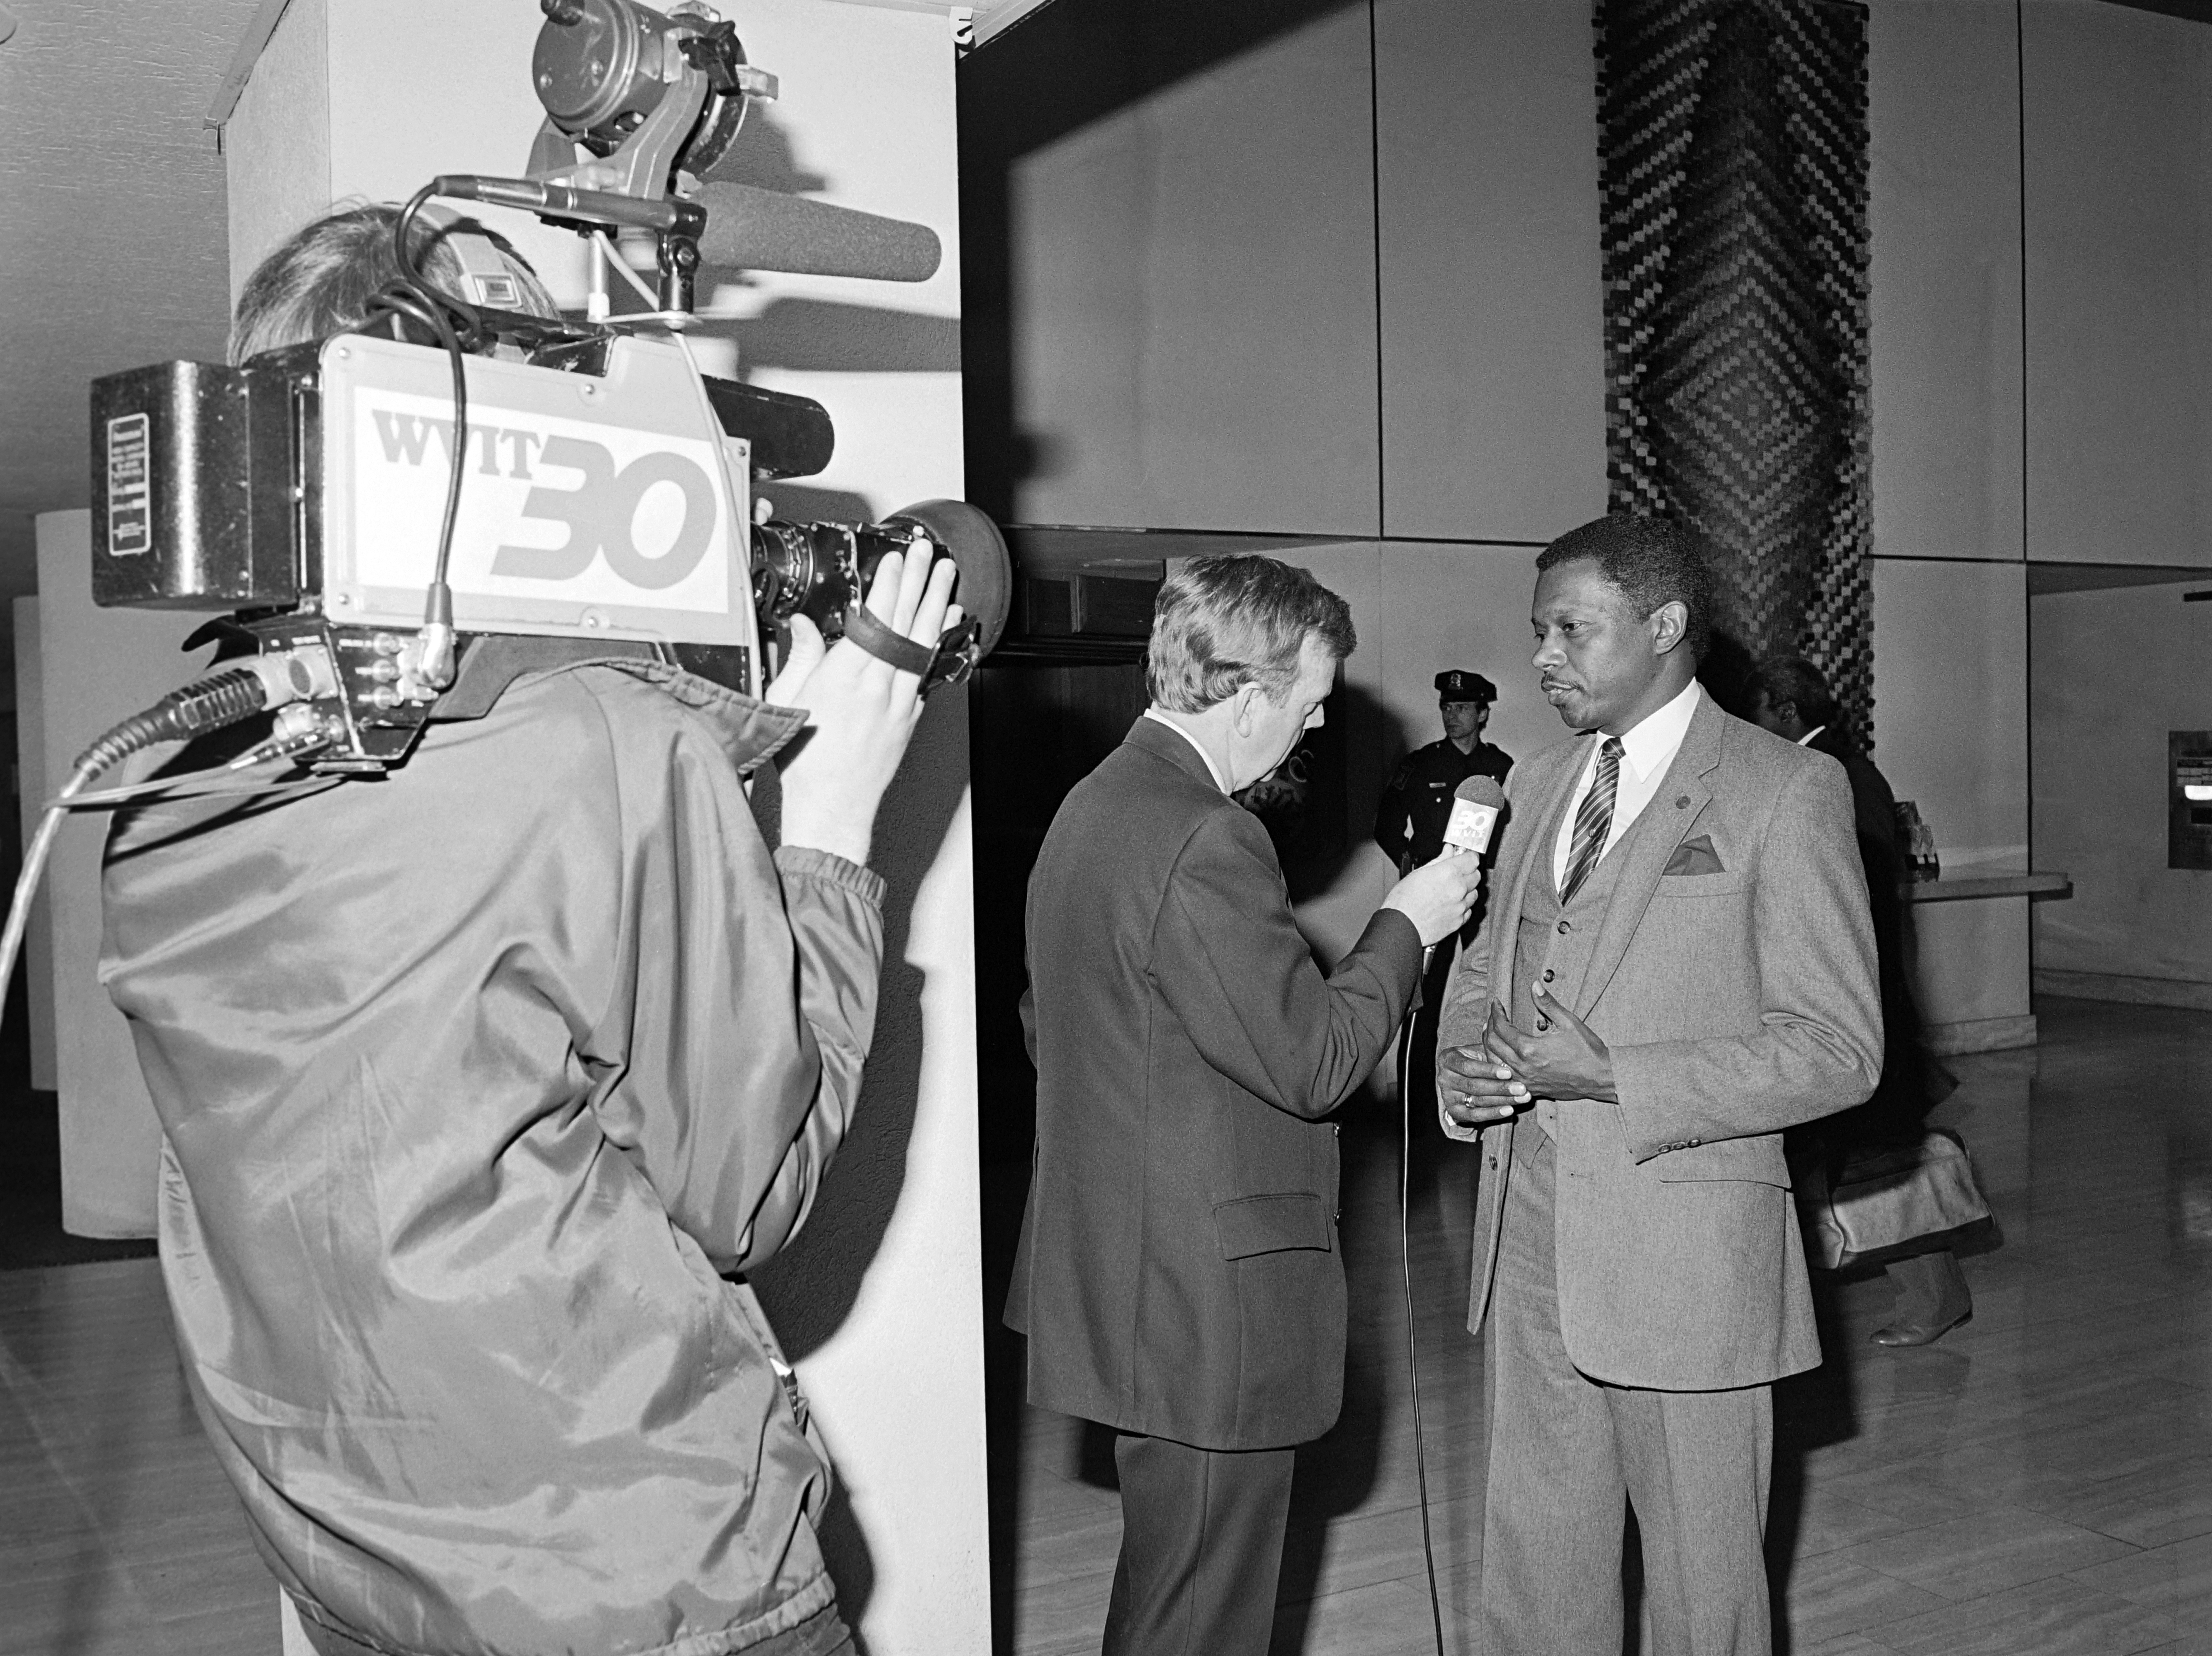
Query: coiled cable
{"x": 210, "y": 704}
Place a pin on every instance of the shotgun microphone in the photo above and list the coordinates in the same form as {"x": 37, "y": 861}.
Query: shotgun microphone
{"x": 758, "y": 229}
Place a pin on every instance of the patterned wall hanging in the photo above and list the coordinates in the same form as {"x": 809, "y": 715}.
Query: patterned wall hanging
{"x": 1732, "y": 149}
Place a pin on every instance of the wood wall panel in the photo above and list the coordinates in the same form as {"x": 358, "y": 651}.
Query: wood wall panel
{"x": 1950, "y": 702}
{"x": 1193, "y": 298}
{"x": 1944, "y": 113}
{"x": 2116, "y": 113}
{"x": 1493, "y": 369}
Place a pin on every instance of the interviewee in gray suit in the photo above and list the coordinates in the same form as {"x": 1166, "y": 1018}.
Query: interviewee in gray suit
{"x": 1178, "y": 1275}
{"x": 1677, "y": 966}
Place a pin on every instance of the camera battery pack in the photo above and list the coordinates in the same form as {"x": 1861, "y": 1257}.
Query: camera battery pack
{"x": 195, "y": 490}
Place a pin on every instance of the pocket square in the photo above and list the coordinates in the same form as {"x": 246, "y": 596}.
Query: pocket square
{"x": 1695, "y": 856}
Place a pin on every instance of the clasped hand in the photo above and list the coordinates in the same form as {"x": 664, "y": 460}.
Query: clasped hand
{"x": 1480, "y": 1085}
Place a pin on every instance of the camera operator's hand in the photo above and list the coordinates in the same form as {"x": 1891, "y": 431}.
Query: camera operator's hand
{"x": 1437, "y": 895}
{"x": 863, "y": 709}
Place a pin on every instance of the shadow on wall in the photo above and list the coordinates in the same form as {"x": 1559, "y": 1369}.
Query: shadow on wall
{"x": 1062, "y": 68}
{"x": 811, "y": 335}
{"x": 810, "y": 1290}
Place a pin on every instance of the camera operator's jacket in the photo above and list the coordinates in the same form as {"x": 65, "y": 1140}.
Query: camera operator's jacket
{"x": 472, "y": 1078}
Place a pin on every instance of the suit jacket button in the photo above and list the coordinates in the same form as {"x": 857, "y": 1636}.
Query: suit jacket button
{"x": 1549, "y": 974}
{"x": 1542, "y": 1024}
{"x": 1563, "y": 928}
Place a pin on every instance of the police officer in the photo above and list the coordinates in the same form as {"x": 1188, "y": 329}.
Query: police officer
{"x": 1409, "y": 823}
{"x": 1409, "y": 826}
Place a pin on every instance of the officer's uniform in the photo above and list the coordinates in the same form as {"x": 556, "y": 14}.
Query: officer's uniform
{"x": 1409, "y": 826}
{"x": 1409, "y": 822}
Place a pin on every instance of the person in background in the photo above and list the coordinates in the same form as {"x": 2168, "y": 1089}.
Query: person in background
{"x": 1415, "y": 803}
{"x": 1791, "y": 698}
{"x": 475, "y": 1079}
{"x": 1179, "y": 1276}
{"x": 1409, "y": 826}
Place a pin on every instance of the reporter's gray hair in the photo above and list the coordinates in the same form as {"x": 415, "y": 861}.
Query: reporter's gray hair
{"x": 320, "y": 281}
{"x": 1222, "y": 622}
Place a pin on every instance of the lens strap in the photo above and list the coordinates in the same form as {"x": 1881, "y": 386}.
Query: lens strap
{"x": 887, "y": 644}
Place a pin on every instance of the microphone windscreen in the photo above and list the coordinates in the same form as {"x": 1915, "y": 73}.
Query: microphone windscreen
{"x": 1475, "y": 805}
{"x": 755, "y": 229}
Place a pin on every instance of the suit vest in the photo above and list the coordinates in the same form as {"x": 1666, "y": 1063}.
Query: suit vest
{"x": 1556, "y": 942}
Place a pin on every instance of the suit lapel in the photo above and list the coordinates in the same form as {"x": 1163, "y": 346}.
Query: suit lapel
{"x": 1682, "y": 795}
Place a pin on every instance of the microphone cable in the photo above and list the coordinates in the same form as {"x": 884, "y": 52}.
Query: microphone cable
{"x": 1406, "y": 1254}
{"x": 455, "y": 326}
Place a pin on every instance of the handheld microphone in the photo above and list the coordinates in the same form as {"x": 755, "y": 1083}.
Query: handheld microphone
{"x": 1476, "y": 803}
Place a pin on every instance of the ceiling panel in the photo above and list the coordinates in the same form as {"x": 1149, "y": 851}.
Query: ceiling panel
{"x": 114, "y": 247}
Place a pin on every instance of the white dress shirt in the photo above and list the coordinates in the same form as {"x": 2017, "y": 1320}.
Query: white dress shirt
{"x": 1646, "y": 750}
{"x": 1212, "y": 769}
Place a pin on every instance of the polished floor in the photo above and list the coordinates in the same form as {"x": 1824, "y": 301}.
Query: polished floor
{"x": 2039, "y": 1484}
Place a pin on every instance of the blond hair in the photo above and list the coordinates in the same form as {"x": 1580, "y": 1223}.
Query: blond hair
{"x": 1222, "y": 622}
{"x": 320, "y": 281}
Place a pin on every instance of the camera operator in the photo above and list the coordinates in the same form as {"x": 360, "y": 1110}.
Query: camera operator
{"x": 474, "y": 1078}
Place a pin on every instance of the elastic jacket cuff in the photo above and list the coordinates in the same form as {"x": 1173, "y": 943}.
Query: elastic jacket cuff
{"x": 805, "y": 862}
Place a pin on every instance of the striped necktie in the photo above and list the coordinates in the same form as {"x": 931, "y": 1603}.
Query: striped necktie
{"x": 1593, "y": 819}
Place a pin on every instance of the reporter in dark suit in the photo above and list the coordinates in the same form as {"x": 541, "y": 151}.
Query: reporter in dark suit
{"x": 1178, "y": 1275}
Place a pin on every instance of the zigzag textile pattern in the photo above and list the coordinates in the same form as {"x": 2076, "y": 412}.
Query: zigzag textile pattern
{"x": 1733, "y": 152}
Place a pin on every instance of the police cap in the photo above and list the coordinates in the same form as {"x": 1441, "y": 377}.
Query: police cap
{"x": 1458, "y": 684}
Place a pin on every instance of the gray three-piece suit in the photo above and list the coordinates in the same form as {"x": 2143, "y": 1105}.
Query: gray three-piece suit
{"x": 1638, "y": 1279}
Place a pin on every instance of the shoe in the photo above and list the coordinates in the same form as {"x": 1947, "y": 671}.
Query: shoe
{"x": 1905, "y": 1333}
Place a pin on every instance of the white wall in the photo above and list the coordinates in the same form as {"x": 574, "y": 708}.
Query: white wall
{"x": 277, "y": 149}
{"x": 96, "y": 667}
{"x": 36, "y": 967}
{"x": 879, "y": 1301}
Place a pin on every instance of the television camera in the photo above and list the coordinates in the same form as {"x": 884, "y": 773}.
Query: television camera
{"x": 458, "y": 470}
{"x": 366, "y": 504}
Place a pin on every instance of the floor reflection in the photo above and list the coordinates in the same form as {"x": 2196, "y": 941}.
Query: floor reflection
{"x": 2037, "y": 1484}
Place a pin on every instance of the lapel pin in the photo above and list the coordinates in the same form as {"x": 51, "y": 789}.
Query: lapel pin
{"x": 1683, "y": 803}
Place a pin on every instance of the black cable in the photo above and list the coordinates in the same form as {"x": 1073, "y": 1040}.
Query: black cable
{"x": 1405, "y": 1253}
{"x": 208, "y": 704}
{"x": 413, "y": 298}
